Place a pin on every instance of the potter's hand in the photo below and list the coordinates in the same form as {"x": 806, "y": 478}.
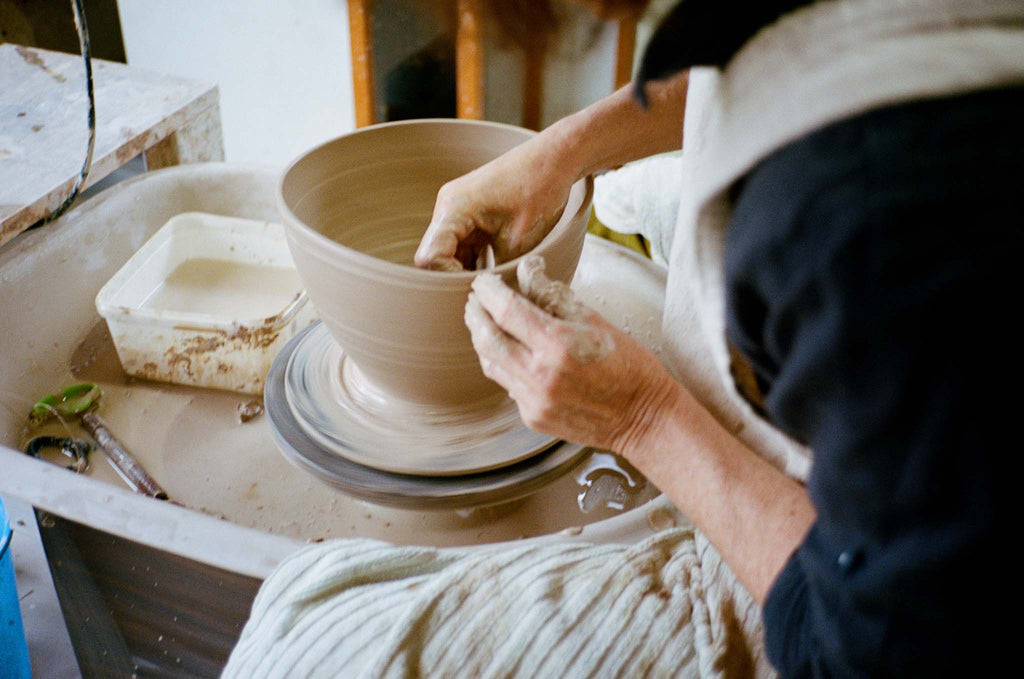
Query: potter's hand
{"x": 572, "y": 373}
{"x": 511, "y": 203}
{"x": 515, "y": 200}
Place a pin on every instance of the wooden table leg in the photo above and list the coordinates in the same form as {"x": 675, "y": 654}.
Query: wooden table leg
{"x": 533, "y": 89}
{"x": 625, "y": 46}
{"x": 361, "y": 45}
{"x": 469, "y": 60}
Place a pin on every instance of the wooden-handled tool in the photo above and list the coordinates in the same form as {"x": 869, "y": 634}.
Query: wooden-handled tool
{"x": 78, "y": 400}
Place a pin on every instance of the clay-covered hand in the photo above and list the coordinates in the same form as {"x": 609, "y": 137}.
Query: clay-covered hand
{"x": 572, "y": 374}
{"x": 511, "y": 203}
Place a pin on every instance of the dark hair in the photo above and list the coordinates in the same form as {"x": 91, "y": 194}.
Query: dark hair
{"x": 705, "y": 33}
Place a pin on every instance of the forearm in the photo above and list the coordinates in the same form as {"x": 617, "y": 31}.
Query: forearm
{"x": 574, "y": 375}
{"x": 513, "y": 201}
{"x": 754, "y": 515}
{"x": 616, "y": 130}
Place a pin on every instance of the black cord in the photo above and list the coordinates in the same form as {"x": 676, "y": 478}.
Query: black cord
{"x": 83, "y": 43}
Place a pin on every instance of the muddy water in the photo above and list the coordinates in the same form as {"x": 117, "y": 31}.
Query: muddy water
{"x": 242, "y": 290}
{"x": 192, "y": 441}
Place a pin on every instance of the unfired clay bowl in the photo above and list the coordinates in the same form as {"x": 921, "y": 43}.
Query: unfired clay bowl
{"x": 354, "y": 210}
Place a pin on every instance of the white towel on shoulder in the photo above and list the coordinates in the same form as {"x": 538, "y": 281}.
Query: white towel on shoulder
{"x": 642, "y": 197}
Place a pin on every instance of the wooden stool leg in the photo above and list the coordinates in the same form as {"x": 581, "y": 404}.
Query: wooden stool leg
{"x": 533, "y": 89}
{"x": 625, "y": 47}
{"x": 469, "y": 60}
{"x": 361, "y": 44}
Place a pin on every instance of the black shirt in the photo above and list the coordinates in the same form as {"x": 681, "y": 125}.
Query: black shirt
{"x": 873, "y": 281}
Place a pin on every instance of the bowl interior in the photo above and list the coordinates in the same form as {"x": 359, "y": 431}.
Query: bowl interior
{"x": 369, "y": 195}
{"x": 355, "y": 210}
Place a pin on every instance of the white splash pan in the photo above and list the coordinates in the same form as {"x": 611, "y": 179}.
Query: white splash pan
{"x": 49, "y": 279}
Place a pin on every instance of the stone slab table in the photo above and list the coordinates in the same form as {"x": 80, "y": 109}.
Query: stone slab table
{"x": 44, "y": 127}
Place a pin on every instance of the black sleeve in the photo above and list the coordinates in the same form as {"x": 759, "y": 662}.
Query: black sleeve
{"x": 873, "y": 275}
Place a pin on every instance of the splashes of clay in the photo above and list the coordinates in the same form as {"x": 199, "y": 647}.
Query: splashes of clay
{"x": 249, "y": 410}
{"x": 660, "y": 518}
{"x": 590, "y": 344}
{"x": 33, "y": 59}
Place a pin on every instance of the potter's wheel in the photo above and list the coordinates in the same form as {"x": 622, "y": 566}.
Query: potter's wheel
{"x": 317, "y": 435}
{"x": 304, "y": 372}
{"x": 345, "y": 414}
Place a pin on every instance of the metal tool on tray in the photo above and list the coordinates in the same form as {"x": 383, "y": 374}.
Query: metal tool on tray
{"x": 76, "y": 450}
{"x": 79, "y": 400}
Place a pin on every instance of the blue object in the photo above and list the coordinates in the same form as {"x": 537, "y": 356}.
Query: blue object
{"x": 14, "y": 662}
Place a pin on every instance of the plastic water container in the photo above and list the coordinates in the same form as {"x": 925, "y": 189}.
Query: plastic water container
{"x": 235, "y": 300}
{"x": 13, "y": 649}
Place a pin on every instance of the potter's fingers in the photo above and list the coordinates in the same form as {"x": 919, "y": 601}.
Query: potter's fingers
{"x": 512, "y": 312}
{"x": 448, "y": 264}
{"x": 437, "y": 252}
{"x": 526, "y": 230}
{"x": 438, "y": 249}
{"x": 501, "y": 356}
{"x": 489, "y": 340}
{"x": 485, "y": 258}
{"x": 472, "y": 248}
{"x": 555, "y": 297}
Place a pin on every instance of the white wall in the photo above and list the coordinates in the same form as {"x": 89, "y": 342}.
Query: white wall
{"x": 283, "y": 68}
{"x": 579, "y": 68}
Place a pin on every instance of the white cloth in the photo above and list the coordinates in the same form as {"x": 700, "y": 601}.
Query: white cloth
{"x": 642, "y": 197}
{"x": 668, "y": 606}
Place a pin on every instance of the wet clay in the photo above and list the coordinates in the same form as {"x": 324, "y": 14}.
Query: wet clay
{"x": 554, "y": 297}
{"x": 249, "y": 410}
{"x": 586, "y": 342}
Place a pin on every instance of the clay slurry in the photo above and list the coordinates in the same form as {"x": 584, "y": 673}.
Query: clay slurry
{"x": 226, "y": 288}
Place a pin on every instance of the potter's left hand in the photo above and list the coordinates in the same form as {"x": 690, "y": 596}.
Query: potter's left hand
{"x": 572, "y": 374}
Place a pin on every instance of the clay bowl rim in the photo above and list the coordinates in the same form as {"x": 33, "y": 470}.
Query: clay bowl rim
{"x": 381, "y": 266}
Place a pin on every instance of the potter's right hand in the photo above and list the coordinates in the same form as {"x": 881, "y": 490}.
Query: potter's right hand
{"x": 572, "y": 374}
{"x": 510, "y": 203}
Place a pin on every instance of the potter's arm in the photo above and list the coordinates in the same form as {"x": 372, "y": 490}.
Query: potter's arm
{"x": 754, "y": 514}
{"x": 513, "y": 201}
{"x": 616, "y": 130}
{"x": 578, "y": 377}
